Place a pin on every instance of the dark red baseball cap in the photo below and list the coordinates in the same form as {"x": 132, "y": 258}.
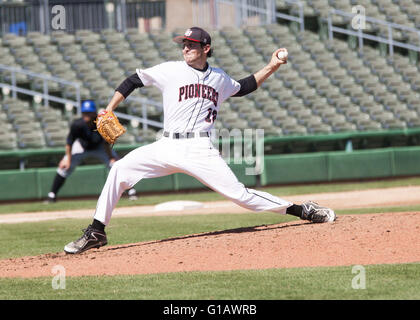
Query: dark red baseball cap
{"x": 194, "y": 34}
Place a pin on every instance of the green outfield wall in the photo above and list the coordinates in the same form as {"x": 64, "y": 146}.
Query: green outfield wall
{"x": 290, "y": 145}
{"x": 88, "y": 180}
{"x": 341, "y": 165}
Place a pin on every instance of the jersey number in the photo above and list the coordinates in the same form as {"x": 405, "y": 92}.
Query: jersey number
{"x": 212, "y": 115}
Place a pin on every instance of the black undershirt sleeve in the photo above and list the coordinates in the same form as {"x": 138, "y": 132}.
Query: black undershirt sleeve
{"x": 248, "y": 85}
{"x": 128, "y": 85}
{"x": 72, "y": 134}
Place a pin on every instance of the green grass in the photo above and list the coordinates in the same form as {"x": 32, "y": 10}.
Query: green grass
{"x": 382, "y": 281}
{"x": 282, "y": 191}
{"x": 401, "y": 281}
{"x": 50, "y": 236}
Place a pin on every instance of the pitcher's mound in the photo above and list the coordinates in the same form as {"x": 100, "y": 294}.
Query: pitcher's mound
{"x": 352, "y": 239}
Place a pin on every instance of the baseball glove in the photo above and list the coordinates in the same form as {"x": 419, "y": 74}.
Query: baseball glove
{"x": 109, "y": 127}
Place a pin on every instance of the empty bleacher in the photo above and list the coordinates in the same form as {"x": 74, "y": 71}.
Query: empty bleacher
{"x": 326, "y": 87}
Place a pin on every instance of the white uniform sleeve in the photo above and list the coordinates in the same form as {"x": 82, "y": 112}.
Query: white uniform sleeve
{"x": 234, "y": 87}
{"x": 230, "y": 87}
{"x": 157, "y": 75}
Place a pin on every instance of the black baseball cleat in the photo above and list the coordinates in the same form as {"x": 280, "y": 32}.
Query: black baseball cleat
{"x": 91, "y": 238}
{"x": 313, "y": 212}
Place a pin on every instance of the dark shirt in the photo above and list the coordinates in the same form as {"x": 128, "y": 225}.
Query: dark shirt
{"x": 88, "y": 136}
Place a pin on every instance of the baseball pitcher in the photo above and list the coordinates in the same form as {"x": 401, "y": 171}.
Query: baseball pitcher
{"x": 193, "y": 92}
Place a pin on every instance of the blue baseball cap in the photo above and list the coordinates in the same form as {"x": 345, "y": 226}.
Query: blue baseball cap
{"x": 88, "y": 106}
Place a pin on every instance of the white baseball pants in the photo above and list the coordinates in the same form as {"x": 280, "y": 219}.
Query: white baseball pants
{"x": 196, "y": 157}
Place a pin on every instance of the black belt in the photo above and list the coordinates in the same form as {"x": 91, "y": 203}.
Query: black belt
{"x": 186, "y": 135}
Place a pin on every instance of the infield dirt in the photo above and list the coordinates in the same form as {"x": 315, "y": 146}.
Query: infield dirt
{"x": 351, "y": 239}
{"x": 384, "y": 238}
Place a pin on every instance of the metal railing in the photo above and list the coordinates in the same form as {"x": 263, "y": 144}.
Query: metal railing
{"x": 245, "y": 9}
{"x": 300, "y": 19}
{"x": 46, "y": 97}
{"x": 361, "y": 35}
{"x": 209, "y": 13}
{"x": 144, "y": 118}
{"x": 44, "y": 94}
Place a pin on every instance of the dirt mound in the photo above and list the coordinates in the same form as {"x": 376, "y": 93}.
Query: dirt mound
{"x": 352, "y": 239}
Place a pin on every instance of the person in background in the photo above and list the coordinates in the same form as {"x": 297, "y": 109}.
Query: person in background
{"x": 83, "y": 141}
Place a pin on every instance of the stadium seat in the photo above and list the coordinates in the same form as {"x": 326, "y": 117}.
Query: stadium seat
{"x": 8, "y": 141}
{"x": 330, "y": 79}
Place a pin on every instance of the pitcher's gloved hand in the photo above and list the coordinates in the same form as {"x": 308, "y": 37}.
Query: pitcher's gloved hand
{"x": 109, "y": 127}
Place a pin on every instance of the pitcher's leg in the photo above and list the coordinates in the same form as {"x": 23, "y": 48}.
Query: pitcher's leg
{"x": 216, "y": 174}
{"x": 143, "y": 162}
{"x": 116, "y": 183}
{"x": 101, "y": 154}
{"x": 125, "y": 173}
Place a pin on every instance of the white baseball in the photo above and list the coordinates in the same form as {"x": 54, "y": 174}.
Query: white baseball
{"x": 282, "y": 55}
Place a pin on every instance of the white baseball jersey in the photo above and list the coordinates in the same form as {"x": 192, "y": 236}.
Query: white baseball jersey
{"x": 191, "y": 101}
{"x": 191, "y": 98}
